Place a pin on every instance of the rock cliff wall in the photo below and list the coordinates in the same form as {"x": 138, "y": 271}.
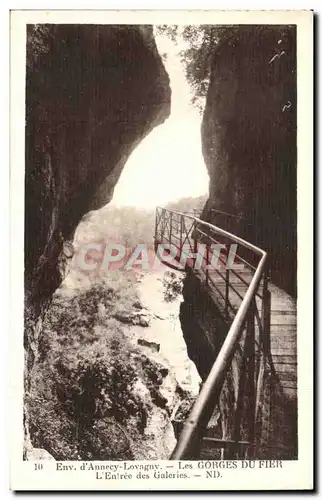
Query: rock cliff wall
{"x": 92, "y": 94}
{"x": 249, "y": 142}
{"x": 249, "y": 147}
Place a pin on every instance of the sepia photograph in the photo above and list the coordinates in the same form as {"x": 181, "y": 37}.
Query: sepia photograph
{"x": 161, "y": 247}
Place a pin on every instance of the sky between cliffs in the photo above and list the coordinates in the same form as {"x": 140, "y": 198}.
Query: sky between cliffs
{"x": 168, "y": 164}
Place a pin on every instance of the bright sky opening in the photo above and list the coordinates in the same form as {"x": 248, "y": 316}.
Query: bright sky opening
{"x": 168, "y": 164}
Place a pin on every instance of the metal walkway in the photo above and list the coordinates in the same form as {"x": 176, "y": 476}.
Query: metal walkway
{"x": 256, "y": 367}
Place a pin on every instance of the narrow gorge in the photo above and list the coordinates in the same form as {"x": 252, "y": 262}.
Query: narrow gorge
{"x": 112, "y": 366}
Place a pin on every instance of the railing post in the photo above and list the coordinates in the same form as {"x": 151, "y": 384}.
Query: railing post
{"x": 266, "y": 312}
{"x": 181, "y": 239}
{"x": 245, "y": 407}
{"x": 195, "y": 240}
{"x": 239, "y": 409}
{"x": 162, "y": 228}
{"x": 207, "y": 266}
{"x": 251, "y": 390}
{"x": 227, "y": 281}
{"x": 264, "y": 340}
{"x": 170, "y": 226}
{"x": 264, "y": 293}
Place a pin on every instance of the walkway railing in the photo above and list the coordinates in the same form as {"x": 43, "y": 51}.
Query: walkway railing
{"x": 241, "y": 294}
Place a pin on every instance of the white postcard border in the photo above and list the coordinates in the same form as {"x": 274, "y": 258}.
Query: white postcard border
{"x": 294, "y": 474}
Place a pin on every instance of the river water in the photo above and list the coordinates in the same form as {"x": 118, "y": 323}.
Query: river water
{"x": 165, "y": 329}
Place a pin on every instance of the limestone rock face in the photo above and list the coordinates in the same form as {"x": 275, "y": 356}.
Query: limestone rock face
{"x": 93, "y": 93}
{"x": 249, "y": 142}
{"x": 250, "y": 150}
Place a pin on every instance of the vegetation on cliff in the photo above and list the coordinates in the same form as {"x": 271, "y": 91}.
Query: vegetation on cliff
{"x": 92, "y": 391}
{"x": 197, "y": 45}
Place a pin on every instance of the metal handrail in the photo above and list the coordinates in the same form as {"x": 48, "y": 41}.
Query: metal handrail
{"x": 220, "y": 231}
{"x": 203, "y": 407}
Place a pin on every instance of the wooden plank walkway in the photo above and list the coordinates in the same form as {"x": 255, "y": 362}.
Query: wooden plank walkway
{"x": 283, "y": 325}
{"x": 283, "y": 322}
{"x": 275, "y": 396}
{"x": 283, "y": 339}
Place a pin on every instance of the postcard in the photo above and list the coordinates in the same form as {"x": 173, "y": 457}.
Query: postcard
{"x": 161, "y": 172}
